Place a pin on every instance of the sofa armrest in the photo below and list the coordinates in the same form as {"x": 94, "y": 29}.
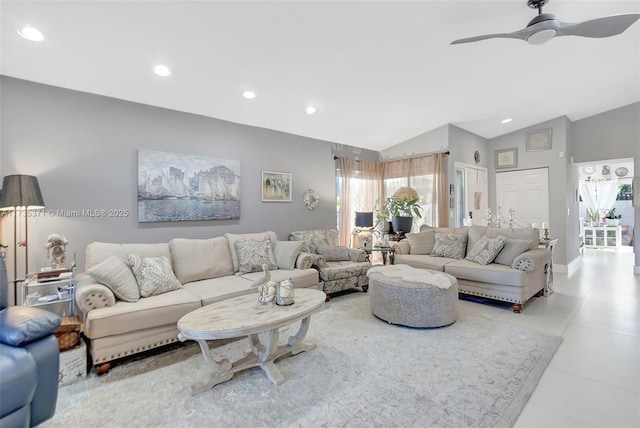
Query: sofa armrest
{"x": 305, "y": 260}
{"x": 532, "y": 259}
{"x": 401, "y": 247}
{"x": 92, "y": 295}
{"x": 21, "y": 325}
{"x": 357, "y": 255}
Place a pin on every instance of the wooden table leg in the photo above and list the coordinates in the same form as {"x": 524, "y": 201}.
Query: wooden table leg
{"x": 221, "y": 371}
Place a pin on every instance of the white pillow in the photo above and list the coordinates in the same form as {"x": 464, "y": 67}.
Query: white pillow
{"x": 115, "y": 274}
{"x": 421, "y": 243}
{"x": 286, "y": 253}
{"x": 512, "y": 249}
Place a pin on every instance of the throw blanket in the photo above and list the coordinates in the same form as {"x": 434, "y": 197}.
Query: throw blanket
{"x": 407, "y": 273}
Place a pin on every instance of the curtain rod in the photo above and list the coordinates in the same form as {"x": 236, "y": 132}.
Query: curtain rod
{"x": 426, "y": 154}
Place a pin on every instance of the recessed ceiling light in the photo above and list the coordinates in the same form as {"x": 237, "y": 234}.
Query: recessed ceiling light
{"x": 311, "y": 109}
{"x": 162, "y": 70}
{"x": 507, "y": 120}
{"x": 249, "y": 95}
{"x": 31, "y": 33}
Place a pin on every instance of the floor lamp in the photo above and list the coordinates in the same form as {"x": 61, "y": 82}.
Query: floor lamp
{"x": 20, "y": 193}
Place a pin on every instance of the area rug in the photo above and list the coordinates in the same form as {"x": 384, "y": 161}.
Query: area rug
{"x": 363, "y": 373}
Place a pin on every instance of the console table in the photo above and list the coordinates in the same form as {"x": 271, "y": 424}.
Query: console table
{"x": 550, "y": 244}
{"x": 602, "y": 237}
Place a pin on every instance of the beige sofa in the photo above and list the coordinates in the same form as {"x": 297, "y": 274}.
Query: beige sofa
{"x": 518, "y": 272}
{"x": 207, "y": 271}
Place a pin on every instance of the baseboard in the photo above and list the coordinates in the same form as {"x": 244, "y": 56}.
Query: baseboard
{"x": 558, "y": 268}
{"x": 574, "y": 265}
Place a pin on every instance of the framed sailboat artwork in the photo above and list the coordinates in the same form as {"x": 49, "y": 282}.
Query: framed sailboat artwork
{"x": 180, "y": 187}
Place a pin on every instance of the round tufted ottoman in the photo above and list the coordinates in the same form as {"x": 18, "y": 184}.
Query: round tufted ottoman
{"x": 400, "y": 294}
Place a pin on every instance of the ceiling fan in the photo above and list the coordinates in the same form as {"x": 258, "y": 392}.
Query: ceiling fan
{"x": 545, "y": 26}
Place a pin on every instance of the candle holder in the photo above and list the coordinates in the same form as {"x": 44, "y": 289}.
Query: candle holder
{"x": 545, "y": 236}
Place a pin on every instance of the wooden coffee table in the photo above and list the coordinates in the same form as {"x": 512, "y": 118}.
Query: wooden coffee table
{"x": 244, "y": 316}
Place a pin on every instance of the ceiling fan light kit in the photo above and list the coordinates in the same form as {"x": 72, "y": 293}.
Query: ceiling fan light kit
{"x": 546, "y": 26}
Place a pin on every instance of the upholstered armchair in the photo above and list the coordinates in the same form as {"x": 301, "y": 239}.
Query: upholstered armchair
{"x": 339, "y": 267}
{"x": 29, "y": 361}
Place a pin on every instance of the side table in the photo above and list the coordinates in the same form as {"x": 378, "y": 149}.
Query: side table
{"x": 550, "y": 244}
{"x": 385, "y": 251}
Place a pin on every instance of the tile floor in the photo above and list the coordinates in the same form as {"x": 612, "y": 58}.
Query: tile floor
{"x": 594, "y": 377}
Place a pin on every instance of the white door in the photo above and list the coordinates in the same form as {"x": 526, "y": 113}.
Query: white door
{"x": 526, "y": 192}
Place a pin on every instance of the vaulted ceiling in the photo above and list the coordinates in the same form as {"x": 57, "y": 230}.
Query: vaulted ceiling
{"x": 379, "y": 72}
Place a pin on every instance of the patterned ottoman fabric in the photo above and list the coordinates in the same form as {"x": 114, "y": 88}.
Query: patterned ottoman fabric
{"x": 411, "y": 303}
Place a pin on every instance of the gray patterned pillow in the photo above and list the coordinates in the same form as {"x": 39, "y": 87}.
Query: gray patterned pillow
{"x": 450, "y": 245}
{"x": 485, "y": 250}
{"x": 252, "y": 253}
{"x": 115, "y": 274}
{"x": 154, "y": 275}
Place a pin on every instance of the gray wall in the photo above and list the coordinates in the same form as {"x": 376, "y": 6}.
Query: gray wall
{"x": 614, "y": 134}
{"x": 558, "y": 189}
{"x": 83, "y": 149}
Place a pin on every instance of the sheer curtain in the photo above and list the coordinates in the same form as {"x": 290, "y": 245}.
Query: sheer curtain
{"x": 360, "y": 186}
{"x": 599, "y": 195}
{"x": 361, "y": 183}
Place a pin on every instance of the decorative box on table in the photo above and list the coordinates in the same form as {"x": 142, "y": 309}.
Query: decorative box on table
{"x": 73, "y": 365}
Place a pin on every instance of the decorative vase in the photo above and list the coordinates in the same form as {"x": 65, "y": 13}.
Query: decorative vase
{"x": 402, "y": 224}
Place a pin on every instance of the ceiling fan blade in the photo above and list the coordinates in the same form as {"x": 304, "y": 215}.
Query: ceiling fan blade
{"x": 521, "y": 34}
{"x": 600, "y": 27}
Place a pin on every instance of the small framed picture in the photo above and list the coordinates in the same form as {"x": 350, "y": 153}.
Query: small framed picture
{"x": 276, "y": 186}
{"x": 506, "y": 158}
{"x": 538, "y": 140}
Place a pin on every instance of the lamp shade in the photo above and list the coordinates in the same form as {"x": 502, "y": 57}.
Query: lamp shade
{"x": 21, "y": 191}
{"x": 364, "y": 219}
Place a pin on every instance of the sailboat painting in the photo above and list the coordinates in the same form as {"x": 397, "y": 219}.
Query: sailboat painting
{"x": 179, "y": 187}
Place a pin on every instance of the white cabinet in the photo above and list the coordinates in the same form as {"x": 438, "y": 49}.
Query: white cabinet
{"x": 602, "y": 237}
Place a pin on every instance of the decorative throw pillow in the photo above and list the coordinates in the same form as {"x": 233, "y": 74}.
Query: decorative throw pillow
{"x": 154, "y": 275}
{"x": 422, "y": 243}
{"x": 286, "y": 253}
{"x": 449, "y": 245}
{"x": 512, "y": 249}
{"x": 115, "y": 274}
{"x": 333, "y": 253}
{"x": 485, "y": 250}
{"x": 252, "y": 253}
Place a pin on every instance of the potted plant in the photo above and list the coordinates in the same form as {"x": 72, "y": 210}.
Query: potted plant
{"x": 402, "y": 212}
{"x": 383, "y": 216}
{"x": 612, "y": 218}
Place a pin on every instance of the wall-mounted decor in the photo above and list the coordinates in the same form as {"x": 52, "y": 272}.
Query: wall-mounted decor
{"x": 506, "y": 158}
{"x": 276, "y": 186}
{"x": 179, "y": 187}
{"x": 477, "y": 200}
{"x": 311, "y": 199}
{"x": 538, "y": 140}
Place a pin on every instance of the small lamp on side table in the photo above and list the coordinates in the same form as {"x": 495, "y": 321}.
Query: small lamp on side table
{"x": 364, "y": 225}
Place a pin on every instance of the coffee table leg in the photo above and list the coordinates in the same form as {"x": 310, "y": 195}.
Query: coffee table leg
{"x": 222, "y": 370}
{"x": 296, "y": 342}
{"x": 266, "y": 354}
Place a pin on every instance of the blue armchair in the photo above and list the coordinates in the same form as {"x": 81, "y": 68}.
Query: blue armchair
{"x": 29, "y": 361}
